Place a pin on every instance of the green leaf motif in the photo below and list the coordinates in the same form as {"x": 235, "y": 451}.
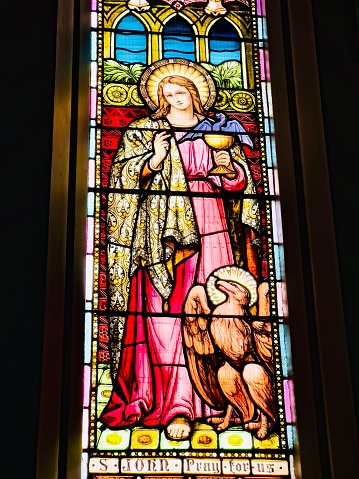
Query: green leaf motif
{"x": 227, "y": 74}
{"x": 118, "y": 72}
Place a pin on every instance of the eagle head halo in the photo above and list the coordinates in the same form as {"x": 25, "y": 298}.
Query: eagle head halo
{"x": 235, "y": 275}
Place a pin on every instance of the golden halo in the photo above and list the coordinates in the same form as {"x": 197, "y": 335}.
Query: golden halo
{"x": 235, "y": 275}
{"x": 177, "y": 66}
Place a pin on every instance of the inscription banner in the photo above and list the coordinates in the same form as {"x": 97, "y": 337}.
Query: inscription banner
{"x": 269, "y": 467}
{"x": 238, "y": 467}
{"x": 159, "y": 465}
{"x": 151, "y": 466}
{"x": 202, "y": 465}
{"x": 104, "y": 465}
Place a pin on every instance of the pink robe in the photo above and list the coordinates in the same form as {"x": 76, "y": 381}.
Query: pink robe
{"x": 153, "y": 385}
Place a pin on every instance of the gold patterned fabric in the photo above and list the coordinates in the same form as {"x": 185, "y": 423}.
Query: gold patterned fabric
{"x": 250, "y": 206}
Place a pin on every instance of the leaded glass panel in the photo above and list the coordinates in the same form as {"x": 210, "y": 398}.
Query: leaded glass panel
{"x": 187, "y": 349}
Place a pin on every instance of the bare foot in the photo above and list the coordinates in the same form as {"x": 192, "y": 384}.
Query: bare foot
{"x": 179, "y": 428}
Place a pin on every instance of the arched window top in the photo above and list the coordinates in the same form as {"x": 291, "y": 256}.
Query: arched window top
{"x": 178, "y": 26}
{"x": 131, "y": 33}
{"x": 178, "y": 39}
{"x": 131, "y": 24}
{"x": 224, "y": 43}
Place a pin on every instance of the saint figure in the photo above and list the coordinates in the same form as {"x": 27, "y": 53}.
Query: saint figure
{"x": 167, "y": 231}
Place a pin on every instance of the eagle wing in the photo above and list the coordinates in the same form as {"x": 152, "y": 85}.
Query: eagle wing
{"x": 202, "y": 361}
{"x": 197, "y": 131}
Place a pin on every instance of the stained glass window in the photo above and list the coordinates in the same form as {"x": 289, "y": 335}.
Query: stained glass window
{"x": 187, "y": 347}
{"x": 178, "y": 39}
{"x": 223, "y": 43}
{"x": 131, "y": 40}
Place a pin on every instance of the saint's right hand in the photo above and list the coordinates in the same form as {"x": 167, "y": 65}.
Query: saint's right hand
{"x": 160, "y": 146}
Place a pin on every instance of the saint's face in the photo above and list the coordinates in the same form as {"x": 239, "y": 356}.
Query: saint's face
{"x": 177, "y": 96}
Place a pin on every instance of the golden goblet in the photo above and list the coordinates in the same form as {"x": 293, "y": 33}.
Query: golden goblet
{"x": 219, "y": 141}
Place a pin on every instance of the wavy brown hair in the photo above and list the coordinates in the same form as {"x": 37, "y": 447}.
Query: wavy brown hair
{"x": 164, "y": 106}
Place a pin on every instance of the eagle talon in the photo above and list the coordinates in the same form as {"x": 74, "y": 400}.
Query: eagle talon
{"x": 260, "y": 427}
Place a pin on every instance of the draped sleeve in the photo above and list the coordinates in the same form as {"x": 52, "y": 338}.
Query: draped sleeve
{"x": 250, "y": 204}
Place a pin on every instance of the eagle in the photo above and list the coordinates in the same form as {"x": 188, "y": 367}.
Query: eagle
{"x": 229, "y": 372}
{"x": 221, "y": 125}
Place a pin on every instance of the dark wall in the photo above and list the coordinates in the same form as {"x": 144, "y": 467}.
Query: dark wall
{"x": 337, "y": 39}
{"x": 28, "y": 41}
{"x": 28, "y": 35}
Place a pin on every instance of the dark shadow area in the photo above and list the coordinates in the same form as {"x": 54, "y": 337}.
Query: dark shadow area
{"x": 337, "y": 39}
